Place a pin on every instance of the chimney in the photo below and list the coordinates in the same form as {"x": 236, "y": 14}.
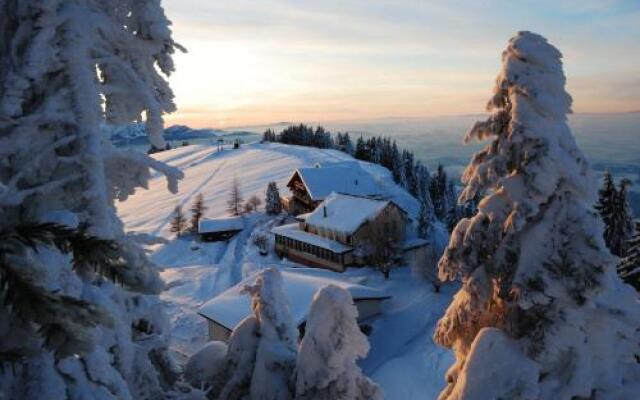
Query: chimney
{"x": 324, "y": 211}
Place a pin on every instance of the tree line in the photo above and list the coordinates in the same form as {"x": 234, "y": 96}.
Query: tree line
{"x": 436, "y": 193}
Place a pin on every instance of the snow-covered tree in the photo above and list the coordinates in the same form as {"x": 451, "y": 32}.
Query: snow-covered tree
{"x": 541, "y": 312}
{"x": 262, "y": 348}
{"x": 629, "y": 268}
{"x": 68, "y": 68}
{"x": 234, "y": 203}
{"x": 614, "y": 208}
{"x": 273, "y": 204}
{"x": 326, "y": 367}
{"x": 178, "y": 222}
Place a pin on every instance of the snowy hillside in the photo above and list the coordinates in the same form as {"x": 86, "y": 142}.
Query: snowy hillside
{"x": 196, "y": 272}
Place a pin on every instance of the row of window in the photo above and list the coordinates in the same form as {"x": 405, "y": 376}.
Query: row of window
{"x": 309, "y": 248}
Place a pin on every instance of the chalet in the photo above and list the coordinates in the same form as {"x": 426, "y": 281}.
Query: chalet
{"x": 230, "y": 307}
{"x": 219, "y": 229}
{"x": 310, "y": 186}
{"x": 347, "y": 230}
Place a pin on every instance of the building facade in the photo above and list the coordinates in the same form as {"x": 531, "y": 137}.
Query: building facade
{"x": 345, "y": 230}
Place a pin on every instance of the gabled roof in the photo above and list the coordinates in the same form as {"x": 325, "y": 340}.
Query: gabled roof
{"x": 321, "y": 181}
{"x": 220, "y": 225}
{"x": 345, "y": 213}
{"x": 293, "y": 231}
{"x": 299, "y": 286}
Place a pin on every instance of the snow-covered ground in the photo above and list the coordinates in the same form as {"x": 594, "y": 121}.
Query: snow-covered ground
{"x": 403, "y": 358}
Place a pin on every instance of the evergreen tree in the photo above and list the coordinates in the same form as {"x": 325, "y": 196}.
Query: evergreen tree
{"x": 197, "y": 210}
{"x": 68, "y": 68}
{"x": 629, "y": 267}
{"x": 362, "y": 152}
{"x": 425, "y": 219}
{"x": 269, "y": 136}
{"x": 616, "y": 214}
{"x": 606, "y": 206}
{"x": 326, "y": 365}
{"x": 438, "y": 191}
{"x": 538, "y": 284}
{"x": 273, "y": 204}
{"x": 178, "y": 222}
{"x": 234, "y": 203}
{"x": 347, "y": 144}
{"x": 397, "y": 169}
{"x": 622, "y": 221}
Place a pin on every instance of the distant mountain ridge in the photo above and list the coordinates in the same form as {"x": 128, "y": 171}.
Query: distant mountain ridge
{"x": 135, "y": 134}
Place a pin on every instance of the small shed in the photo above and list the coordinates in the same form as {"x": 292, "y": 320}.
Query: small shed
{"x": 229, "y": 308}
{"x": 219, "y": 229}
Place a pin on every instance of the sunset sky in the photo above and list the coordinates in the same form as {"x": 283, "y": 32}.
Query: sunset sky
{"x": 265, "y": 61}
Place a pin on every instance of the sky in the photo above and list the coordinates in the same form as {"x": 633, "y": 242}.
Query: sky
{"x": 254, "y": 62}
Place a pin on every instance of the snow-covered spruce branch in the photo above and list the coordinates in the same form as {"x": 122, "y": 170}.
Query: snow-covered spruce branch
{"x": 13, "y": 197}
{"x": 35, "y": 161}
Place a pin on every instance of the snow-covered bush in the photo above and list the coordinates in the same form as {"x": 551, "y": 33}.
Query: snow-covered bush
{"x": 326, "y": 366}
{"x": 541, "y": 313}
{"x": 262, "y": 348}
{"x": 69, "y": 68}
{"x": 206, "y": 365}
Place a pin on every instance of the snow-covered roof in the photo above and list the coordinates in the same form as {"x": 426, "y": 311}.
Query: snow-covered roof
{"x": 321, "y": 181}
{"x": 413, "y": 243}
{"x": 299, "y": 286}
{"x": 220, "y": 225}
{"x": 345, "y": 213}
{"x": 293, "y": 231}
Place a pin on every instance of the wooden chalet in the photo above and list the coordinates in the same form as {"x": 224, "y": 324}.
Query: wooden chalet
{"x": 309, "y": 186}
{"x": 344, "y": 230}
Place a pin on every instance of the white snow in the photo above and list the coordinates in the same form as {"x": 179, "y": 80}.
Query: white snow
{"x": 343, "y": 213}
{"x": 348, "y": 178}
{"x": 403, "y": 359}
{"x": 221, "y": 224}
{"x": 299, "y": 286}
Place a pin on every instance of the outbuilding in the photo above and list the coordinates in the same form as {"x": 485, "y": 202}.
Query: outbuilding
{"x": 219, "y": 229}
{"x": 230, "y": 307}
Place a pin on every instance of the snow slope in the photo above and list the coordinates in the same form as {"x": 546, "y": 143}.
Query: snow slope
{"x": 403, "y": 358}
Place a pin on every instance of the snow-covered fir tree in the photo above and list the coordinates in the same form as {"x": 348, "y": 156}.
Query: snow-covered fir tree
{"x": 178, "y": 222}
{"x": 262, "y": 348}
{"x": 197, "y": 211}
{"x": 69, "y": 67}
{"x": 621, "y": 226}
{"x": 615, "y": 211}
{"x": 326, "y": 366}
{"x": 541, "y": 312}
{"x": 234, "y": 203}
{"x": 629, "y": 268}
{"x": 273, "y": 204}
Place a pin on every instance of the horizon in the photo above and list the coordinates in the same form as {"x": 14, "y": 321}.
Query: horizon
{"x": 263, "y": 63}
